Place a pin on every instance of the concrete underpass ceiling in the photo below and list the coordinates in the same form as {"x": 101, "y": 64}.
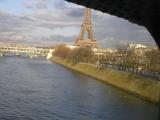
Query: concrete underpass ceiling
{"x": 141, "y": 12}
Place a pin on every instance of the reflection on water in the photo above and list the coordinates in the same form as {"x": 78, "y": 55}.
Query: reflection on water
{"x": 35, "y": 89}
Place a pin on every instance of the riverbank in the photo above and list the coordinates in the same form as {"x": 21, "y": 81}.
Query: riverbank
{"x": 145, "y": 88}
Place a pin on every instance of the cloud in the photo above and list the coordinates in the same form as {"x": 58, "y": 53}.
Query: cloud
{"x": 75, "y": 12}
{"x": 59, "y": 4}
{"x": 38, "y": 4}
{"x": 28, "y": 5}
{"x": 51, "y": 22}
{"x": 41, "y": 4}
{"x": 13, "y": 27}
{"x": 9, "y": 22}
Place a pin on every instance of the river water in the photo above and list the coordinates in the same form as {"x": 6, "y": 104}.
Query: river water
{"x": 36, "y": 89}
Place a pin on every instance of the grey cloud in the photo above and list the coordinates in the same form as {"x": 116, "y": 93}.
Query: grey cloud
{"x": 28, "y": 5}
{"x": 57, "y": 25}
{"x": 51, "y": 40}
{"x": 109, "y": 30}
{"x": 65, "y": 39}
{"x": 13, "y": 27}
{"x": 59, "y": 5}
{"x": 9, "y": 22}
{"x": 76, "y": 12}
{"x": 51, "y": 20}
{"x": 41, "y": 5}
{"x": 106, "y": 27}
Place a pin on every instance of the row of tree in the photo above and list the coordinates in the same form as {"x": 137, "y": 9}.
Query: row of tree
{"x": 147, "y": 64}
{"x": 76, "y": 55}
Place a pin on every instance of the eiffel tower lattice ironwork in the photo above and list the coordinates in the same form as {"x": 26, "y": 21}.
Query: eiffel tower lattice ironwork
{"x": 86, "y": 27}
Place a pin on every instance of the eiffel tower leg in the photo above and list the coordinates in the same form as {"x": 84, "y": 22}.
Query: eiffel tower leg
{"x": 81, "y": 35}
{"x": 90, "y": 35}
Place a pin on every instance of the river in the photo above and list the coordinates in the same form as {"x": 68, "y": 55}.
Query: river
{"x": 36, "y": 89}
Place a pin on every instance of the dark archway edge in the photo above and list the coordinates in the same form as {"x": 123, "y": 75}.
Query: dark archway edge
{"x": 141, "y": 12}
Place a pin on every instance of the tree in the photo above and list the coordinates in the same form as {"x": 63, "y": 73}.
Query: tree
{"x": 81, "y": 54}
{"x": 62, "y": 51}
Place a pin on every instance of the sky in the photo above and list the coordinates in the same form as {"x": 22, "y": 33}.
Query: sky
{"x": 51, "y": 22}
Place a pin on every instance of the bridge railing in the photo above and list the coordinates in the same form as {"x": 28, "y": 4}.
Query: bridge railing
{"x": 29, "y": 50}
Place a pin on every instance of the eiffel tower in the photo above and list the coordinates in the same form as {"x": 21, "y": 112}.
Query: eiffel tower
{"x": 86, "y": 27}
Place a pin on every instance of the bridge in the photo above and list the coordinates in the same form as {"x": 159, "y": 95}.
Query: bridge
{"x": 20, "y": 49}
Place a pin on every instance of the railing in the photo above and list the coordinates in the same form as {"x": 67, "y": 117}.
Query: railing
{"x": 30, "y": 50}
{"x": 137, "y": 71}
